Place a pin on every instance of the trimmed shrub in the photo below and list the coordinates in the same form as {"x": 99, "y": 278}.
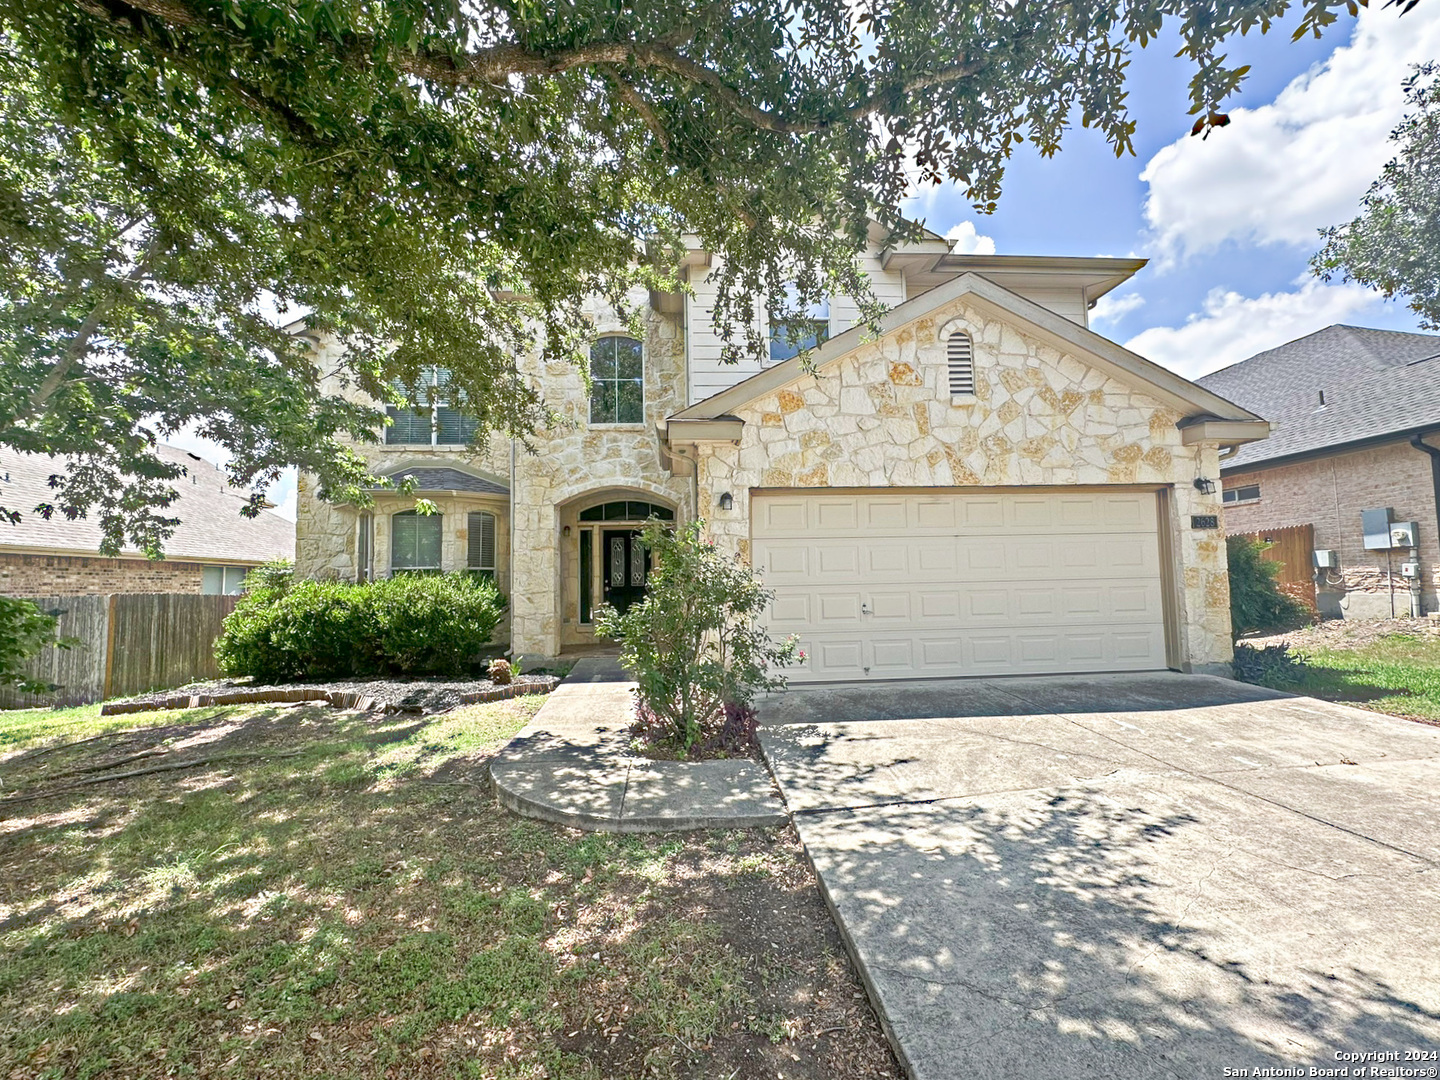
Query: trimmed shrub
{"x": 1256, "y": 600}
{"x": 277, "y": 575}
{"x": 694, "y": 644}
{"x": 430, "y": 624}
{"x": 1274, "y": 665}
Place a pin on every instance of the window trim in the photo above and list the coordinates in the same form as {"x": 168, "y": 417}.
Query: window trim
{"x": 594, "y": 382}
{"x": 439, "y": 519}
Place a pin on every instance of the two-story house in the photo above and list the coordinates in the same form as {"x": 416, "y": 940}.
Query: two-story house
{"x": 985, "y": 487}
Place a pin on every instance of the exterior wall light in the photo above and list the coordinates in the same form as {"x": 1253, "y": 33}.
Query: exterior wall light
{"x": 1205, "y": 487}
{"x": 727, "y": 502}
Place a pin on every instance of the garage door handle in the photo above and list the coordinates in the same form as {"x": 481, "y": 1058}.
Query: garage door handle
{"x": 864, "y": 609}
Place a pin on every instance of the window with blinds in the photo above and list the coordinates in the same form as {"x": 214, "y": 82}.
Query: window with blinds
{"x": 960, "y": 355}
{"x": 480, "y": 543}
{"x": 439, "y": 419}
{"x": 415, "y": 541}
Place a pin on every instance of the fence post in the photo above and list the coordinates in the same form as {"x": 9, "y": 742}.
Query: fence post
{"x": 109, "y": 647}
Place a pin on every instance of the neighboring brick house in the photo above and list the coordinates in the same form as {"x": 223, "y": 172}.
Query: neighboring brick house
{"x": 211, "y": 551}
{"x": 986, "y": 487}
{"x": 1356, "y": 416}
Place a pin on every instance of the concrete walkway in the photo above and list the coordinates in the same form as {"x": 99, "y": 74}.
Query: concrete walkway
{"x": 1151, "y": 876}
{"x": 572, "y": 765}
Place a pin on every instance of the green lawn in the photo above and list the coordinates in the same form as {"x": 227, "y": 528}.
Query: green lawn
{"x": 337, "y": 895}
{"x": 1398, "y": 673}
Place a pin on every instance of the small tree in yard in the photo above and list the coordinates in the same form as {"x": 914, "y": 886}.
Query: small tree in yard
{"x": 694, "y": 644}
{"x": 25, "y": 631}
{"x": 1256, "y": 599}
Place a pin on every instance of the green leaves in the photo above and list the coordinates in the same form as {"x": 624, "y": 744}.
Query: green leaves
{"x": 1394, "y": 243}
{"x": 445, "y": 184}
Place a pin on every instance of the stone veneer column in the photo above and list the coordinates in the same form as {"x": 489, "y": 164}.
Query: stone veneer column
{"x": 534, "y": 562}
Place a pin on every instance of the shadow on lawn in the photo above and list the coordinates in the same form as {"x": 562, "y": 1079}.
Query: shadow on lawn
{"x": 346, "y": 912}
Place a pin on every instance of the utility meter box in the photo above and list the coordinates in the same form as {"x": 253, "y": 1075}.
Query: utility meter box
{"x": 1376, "y": 526}
{"x": 1327, "y": 560}
{"x": 1410, "y": 569}
{"x": 1404, "y": 534}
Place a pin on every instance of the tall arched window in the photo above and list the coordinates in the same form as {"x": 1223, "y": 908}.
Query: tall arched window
{"x": 960, "y": 355}
{"x": 617, "y": 375}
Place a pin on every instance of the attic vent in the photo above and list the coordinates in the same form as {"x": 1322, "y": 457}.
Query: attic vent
{"x": 960, "y": 353}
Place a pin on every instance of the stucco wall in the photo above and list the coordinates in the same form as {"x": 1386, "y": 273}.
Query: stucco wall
{"x": 884, "y": 417}
{"x": 1329, "y": 493}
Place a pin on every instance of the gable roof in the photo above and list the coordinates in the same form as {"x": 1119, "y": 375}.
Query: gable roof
{"x": 210, "y": 530}
{"x": 1376, "y": 383}
{"x": 447, "y": 479}
{"x": 1170, "y": 389}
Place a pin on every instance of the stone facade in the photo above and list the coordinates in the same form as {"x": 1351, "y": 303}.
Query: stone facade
{"x": 578, "y": 465}
{"x": 24, "y": 574}
{"x": 883, "y": 416}
{"x": 1328, "y": 493}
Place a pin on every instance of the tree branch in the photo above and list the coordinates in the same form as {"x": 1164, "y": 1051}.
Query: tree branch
{"x": 494, "y": 66}
{"x": 79, "y": 344}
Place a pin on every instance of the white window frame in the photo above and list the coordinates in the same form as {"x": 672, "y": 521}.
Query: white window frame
{"x": 231, "y": 580}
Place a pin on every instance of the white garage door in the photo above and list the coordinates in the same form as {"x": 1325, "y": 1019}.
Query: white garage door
{"x": 889, "y": 586}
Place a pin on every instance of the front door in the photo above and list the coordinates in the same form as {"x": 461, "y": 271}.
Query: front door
{"x": 625, "y": 564}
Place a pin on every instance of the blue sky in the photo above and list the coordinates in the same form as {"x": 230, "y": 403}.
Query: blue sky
{"x": 1228, "y": 222}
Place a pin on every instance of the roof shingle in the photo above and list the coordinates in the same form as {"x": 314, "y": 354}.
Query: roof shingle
{"x": 1375, "y": 383}
{"x": 210, "y": 530}
{"x": 443, "y": 479}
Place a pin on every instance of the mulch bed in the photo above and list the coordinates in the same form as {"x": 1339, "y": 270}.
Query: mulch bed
{"x": 418, "y": 696}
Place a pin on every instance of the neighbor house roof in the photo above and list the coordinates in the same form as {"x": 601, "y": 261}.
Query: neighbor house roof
{"x": 211, "y": 528}
{"x": 1376, "y": 383}
{"x": 1172, "y": 390}
{"x": 445, "y": 479}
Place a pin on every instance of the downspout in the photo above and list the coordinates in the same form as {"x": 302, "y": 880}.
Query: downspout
{"x": 1418, "y": 441}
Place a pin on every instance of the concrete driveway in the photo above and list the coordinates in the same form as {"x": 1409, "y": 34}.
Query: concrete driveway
{"x": 1124, "y": 876}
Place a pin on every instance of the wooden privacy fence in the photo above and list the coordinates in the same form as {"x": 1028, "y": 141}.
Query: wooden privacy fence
{"x": 130, "y": 643}
{"x": 1293, "y": 547}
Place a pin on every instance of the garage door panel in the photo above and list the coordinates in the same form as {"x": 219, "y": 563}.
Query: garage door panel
{"x": 900, "y": 586}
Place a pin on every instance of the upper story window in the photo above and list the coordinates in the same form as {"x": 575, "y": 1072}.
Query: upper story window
{"x": 415, "y": 541}
{"x": 442, "y": 424}
{"x": 1245, "y": 493}
{"x": 617, "y": 376}
{"x": 960, "y": 359}
{"x": 793, "y": 336}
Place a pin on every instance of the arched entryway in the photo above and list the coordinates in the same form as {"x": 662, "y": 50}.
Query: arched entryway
{"x": 603, "y": 562}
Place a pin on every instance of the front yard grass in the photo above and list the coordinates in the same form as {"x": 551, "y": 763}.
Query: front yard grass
{"x": 1393, "y": 673}
{"x": 338, "y": 895}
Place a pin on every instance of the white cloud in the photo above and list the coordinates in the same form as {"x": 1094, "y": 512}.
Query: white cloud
{"x": 968, "y": 241}
{"x": 1284, "y": 170}
{"x": 1112, "y": 307}
{"x": 1232, "y": 327}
